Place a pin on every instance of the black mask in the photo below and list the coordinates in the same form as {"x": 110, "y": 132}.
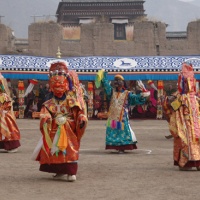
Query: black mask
{"x": 118, "y": 82}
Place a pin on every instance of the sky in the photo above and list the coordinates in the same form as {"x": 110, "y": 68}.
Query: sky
{"x": 19, "y": 14}
{"x": 175, "y": 13}
{"x": 186, "y": 0}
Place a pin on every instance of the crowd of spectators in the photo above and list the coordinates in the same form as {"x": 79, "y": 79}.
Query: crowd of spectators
{"x": 38, "y": 96}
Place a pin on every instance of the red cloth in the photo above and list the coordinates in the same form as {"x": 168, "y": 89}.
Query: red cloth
{"x": 124, "y": 147}
{"x": 63, "y": 168}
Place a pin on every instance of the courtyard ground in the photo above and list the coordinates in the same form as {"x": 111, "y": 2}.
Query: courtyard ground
{"x": 143, "y": 174}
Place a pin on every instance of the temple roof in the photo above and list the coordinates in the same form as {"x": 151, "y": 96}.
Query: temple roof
{"x": 71, "y": 9}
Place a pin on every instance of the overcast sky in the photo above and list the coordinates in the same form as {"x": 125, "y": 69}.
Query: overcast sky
{"x": 19, "y": 14}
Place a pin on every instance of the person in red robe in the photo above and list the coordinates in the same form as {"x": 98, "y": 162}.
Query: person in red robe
{"x": 62, "y": 123}
{"x": 182, "y": 111}
{"x": 9, "y": 132}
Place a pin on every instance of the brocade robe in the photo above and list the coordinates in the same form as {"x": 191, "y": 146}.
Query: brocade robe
{"x": 9, "y": 132}
{"x": 119, "y": 134}
{"x": 184, "y": 125}
{"x": 61, "y": 133}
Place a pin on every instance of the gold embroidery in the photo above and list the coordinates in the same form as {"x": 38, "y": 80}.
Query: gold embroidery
{"x": 116, "y": 106}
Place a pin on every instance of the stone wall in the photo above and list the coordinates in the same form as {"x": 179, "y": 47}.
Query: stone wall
{"x": 44, "y": 38}
{"x": 6, "y": 40}
{"x": 98, "y": 40}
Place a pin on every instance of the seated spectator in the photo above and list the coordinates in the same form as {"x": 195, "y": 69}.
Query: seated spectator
{"x": 151, "y": 110}
{"x": 139, "y": 111}
{"x": 170, "y": 90}
{"x": 16, "y": 104}
{"x": 47, "y": 92}
{"x": 32, "y": 106}
{"x": 41, "y": 94}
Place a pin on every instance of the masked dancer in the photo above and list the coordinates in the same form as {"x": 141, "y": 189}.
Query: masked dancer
{"x": 9, "y": 132}
{"x": 119, "y": 135}
{"x": 62, "y": 123}
{"x": 182, "y": 111}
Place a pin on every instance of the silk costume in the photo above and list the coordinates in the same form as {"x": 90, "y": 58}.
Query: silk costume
{"x": 151, "y": 110}
{"x": 119, "y": 134}
{"x": 60, "y": 118}
{"x": 9, "y": 132}
{"x": 184, "y": 120}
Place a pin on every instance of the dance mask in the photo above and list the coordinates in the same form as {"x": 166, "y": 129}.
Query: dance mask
{"x": 58, "y": 78}
{"x": 119, "y": 81}
{"x": 186, "y": 80}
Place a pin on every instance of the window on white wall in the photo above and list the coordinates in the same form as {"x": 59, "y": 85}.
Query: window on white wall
{"x": 120, "y": 28}
{"x": 119, "y": 32}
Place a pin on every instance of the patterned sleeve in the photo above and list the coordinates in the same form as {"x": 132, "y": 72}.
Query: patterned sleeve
{"x": 80, "y": 118}
{"x": 106, "y": 85}
{"x": 45, "y": 119}
{"x": 135, "y": 99}
{"x": 7, "y": 103}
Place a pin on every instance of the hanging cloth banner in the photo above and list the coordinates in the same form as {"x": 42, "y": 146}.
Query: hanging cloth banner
{"x": 159, "y": 103}
{"x": 30, "y": 86}
{"x": 21, "y": 99}
{"x": 90, "y": 98}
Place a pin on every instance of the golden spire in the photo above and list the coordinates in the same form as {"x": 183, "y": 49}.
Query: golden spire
{"x": 58, "y": 54}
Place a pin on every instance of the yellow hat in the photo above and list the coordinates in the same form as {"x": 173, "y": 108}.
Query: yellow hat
{"x": 119, "y": 76}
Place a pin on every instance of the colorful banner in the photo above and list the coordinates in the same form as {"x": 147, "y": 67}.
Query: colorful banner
{"x": 90, "y": 99}
{"x": 21, "y": 99}
{"x": 160, "y": 86}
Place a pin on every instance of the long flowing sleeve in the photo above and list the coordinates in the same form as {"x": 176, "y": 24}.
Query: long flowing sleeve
{"x": 45, "y": 126}
{"x": 80, "y": 118}
{"x": 8, "y": 126}
{"x": 135, "y": 99}
{"x": 107, "y": 87}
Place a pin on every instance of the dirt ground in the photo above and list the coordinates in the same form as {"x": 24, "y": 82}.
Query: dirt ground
{"x": 143, "y": 174}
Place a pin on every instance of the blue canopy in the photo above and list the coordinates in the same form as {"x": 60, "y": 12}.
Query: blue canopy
{"x": 132, "y": 68}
